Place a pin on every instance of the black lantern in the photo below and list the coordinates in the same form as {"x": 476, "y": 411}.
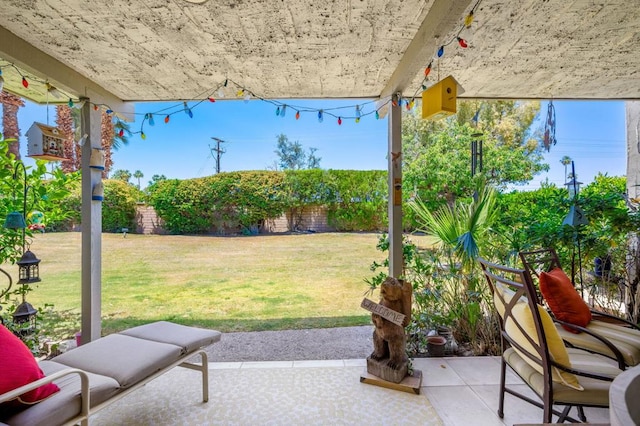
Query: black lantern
{"x": 29, "y": 271}
{"x": 25, "y": 317}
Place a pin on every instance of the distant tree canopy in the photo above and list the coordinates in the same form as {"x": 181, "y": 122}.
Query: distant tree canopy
{"x": 123, "y": 175}
{"x": 437, "y": 154}
{"x": 292, "y": 156}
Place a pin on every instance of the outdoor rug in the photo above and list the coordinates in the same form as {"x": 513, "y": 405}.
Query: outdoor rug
{"x": 268, "y": 396}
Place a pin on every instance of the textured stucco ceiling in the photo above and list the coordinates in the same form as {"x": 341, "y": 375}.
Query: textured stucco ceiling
{"x": 150, "y": 50}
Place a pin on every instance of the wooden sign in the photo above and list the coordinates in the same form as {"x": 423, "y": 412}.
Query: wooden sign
{"x": 383, "y": 311}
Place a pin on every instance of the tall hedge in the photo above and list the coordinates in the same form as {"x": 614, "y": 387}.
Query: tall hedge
{"x": 242, "y": 201}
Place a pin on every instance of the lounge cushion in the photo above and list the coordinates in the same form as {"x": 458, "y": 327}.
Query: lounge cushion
{"x": 64, "y": 405}
{"x": 125, "y": 358}
{"x": 563, "y": 299}
{"x": 18, "y": 367}
{"x": 189, "y": 338}
{"x": 558, "y": 352}
{"x": 626, "y": 339}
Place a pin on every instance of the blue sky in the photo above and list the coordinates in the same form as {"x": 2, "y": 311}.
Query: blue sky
{"x": 592, "y": 133}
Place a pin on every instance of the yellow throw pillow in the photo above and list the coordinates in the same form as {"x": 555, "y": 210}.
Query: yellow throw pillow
{"x": 558, "y": 352}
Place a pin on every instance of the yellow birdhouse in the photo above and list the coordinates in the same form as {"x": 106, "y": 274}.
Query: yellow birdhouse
{"x": 439, "y": 100}
{"x": 45, "y": 142}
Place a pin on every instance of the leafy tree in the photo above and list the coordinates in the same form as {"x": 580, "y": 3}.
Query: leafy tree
{"x": 138, "y": 175}
{"x": 437, "y": 154}
{"x": 292, "y": 156}
{"x": 123, "y": 175}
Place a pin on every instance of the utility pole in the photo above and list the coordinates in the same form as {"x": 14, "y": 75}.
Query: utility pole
{"x": 218, "y": 152}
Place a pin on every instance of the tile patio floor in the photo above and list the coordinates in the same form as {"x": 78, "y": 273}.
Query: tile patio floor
{"x": 463, "y": 391}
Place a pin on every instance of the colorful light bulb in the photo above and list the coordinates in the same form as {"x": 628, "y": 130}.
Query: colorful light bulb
{"x": 468, "y": 20}
{"x": 239, "y": 93}
{"x": 109, "y": 111}
{"x": 320, "y": 116}
{"x": 220, "y": 93}
{"x": 121, "y": 133}
{"x": 95, "y": 107}
{"x": 462, "y": 42}
{"x": 70, "y": 103}
{"x": 211, "y": 99}
{"x": 247, "y": 97}
{"x": 142, "y": 135}
{"x": 357, "y": 119}
{"x": 283, "y": 111}
{"x": 151, "y": 122}
{"x": 297, "y": 115}
{"x": 339, "y": 121}
{"x": 427, "y": 70}
{"x": 377, "y": 115}
{"x": 166, "y": 119}
{"x": 278, "y": 110}
{"x": 25, "y": 83}
{"x": 358, "y": 113}
{"x": 440, "y": 51}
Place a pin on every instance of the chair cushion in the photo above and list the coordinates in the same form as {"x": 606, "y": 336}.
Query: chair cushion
{"x": 595, "y": 392}
{"x": 558, "y": 352}
{"x": 18, "y": 367}
{"x": 188, "y": 338}
{"x": 626, "y": 339}
{"x": 563, "y": 299}
{"x": 124, "y": 358}
{"x": 65, "y": 404}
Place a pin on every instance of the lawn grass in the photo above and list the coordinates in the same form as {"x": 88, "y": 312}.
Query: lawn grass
{"x": 243, "y": 283}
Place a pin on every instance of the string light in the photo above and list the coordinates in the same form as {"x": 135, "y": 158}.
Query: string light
{"x": 187, "y": 110}
{"x": 427, "y": 70}
{"x": 70, "y": 103}
{"x": 283, "y": 111}
{"x": 441, "y": 51}
{"x": 462, "y": 42}
{"x": 278, "y": 110}
{"x": 142, "y": 135}
{"x": 211, "y": 99}
{"x": 151, "y": 121}
{"x": 320, "y": 116}
{"x": 166, "y": 119}
{"x": 339, "y": 121}
{"x": 297, "y": 115}
{"x": 109, "y": 111}
{"x": 121, "y": 133}
{"x": 53, "y": 91}
{"x": 469, "y": 19}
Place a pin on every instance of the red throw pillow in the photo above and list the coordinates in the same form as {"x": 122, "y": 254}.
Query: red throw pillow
{"x": 18, "y": 367}
{"x": 563, "y": 299}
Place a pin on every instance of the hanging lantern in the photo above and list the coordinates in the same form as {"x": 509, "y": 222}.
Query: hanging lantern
{"x": 25, "y": 317}
{"x": 15, "y": 220}
{"x": 28, "y": 268}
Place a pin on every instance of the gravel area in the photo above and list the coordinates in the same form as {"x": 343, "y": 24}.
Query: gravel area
{"x": 294, "y": 345}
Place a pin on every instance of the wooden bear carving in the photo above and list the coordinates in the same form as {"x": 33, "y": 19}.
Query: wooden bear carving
{"x": 389, "y": 340}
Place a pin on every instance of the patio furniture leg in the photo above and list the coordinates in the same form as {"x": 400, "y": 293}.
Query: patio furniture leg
{"x": 503, "y": 372}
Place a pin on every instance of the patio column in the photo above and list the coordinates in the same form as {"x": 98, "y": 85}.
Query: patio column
{"x": 91, "y": 229}
{"x": 395, "y": 188}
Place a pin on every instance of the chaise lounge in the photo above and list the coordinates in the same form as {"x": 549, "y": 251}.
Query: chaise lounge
{"x": 99, "y": 373}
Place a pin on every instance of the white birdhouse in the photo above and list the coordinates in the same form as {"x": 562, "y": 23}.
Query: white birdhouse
{"x": 45, "y": 142}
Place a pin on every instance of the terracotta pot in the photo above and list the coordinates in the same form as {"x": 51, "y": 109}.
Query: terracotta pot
{"x": 435, "y": 345}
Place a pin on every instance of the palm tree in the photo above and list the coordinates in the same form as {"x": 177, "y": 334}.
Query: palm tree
{"x": 565, "y": 161}
{"x": 10, "y": 105}
{"x": 138, "y": 175}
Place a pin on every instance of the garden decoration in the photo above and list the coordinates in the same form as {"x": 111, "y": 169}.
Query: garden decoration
{"x": 45, "y": 142}
{"x": 388, "y": 364}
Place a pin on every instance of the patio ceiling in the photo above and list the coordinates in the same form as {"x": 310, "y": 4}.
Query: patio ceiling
{"x": 159, "y": 50}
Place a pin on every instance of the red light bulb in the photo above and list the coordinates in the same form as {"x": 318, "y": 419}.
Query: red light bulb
{"x": 339, "y": 121}
{"x": 25, "y": 83}
{"x": 297, "y": 115}
{"x": 121, "y": 133}
{"x": 461, "y": 42}
{"x": 166, "y": 119}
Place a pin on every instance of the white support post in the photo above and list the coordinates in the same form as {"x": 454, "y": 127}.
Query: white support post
{"x": 395, "y": 188}
{"x": 91, "y": 230}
